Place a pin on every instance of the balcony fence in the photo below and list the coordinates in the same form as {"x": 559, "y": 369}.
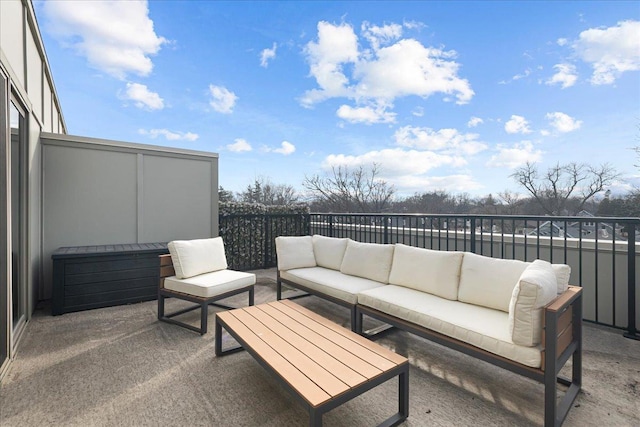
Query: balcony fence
{"x": 602, "y": 252}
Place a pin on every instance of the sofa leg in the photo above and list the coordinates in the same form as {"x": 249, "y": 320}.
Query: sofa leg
{"x": 251, "y": 296}
{"x": 278, "y": 290}
{"x": 356, "y": 320}
{"x": 203, "y": 318}
{"x": 160, "y": 306}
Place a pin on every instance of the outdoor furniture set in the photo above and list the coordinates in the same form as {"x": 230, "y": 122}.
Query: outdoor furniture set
{"x": 521, "y": 316}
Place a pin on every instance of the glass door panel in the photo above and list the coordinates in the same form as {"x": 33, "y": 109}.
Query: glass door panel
{"x": 17, "y": 218}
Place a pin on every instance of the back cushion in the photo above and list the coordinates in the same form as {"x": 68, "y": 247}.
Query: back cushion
{"x": 368, "y": 260}
{"x": 536, "y": 288}
{"x": 489, "y": 282}
{"x": 294, "y": 252}
{"x": 329, "y": 251}
{"x": 434, "y": 272}
{"x": 563, "y": 273}
{"x": 193, "y": 257}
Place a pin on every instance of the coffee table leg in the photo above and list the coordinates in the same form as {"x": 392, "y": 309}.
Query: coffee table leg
{"x": 218, "y": 341}
{"x": 315, "y": 418}
{"x": 403, "y": 394}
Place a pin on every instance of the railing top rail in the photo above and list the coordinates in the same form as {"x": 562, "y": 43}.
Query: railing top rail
{"x": 487, "y": 216}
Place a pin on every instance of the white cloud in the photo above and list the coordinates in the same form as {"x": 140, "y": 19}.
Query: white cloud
{"x": 396, "y": 161}
{"x": 562, "y": 41}
{"x": 517, "y": 124}
{"x": 449, "y": 141}
{"x": 239, "y": 146}
{"x": 143, "y": 97}
{"x": 474, "y": 121}
{"x": 381, "y": 35}
{"x": 268, "y": 54}
{"x": 286, "y": 148}
{"x": 336, "y": 45}
{"x": 366, "y": 115}
{"x": 565, "y": 75}
{"x": 409, "y": 68}
{"x": 169, "y": 135}
{"x": 452, "y": 183}
{"x": 563, "y": 122}
{"x": 389, "y": 69}
{"x": 516, "y": 155}
{"x": 418, "y": 112}
{"x": 116, "y": 37}
{"x": 222, "y": 100}
{"x": 610, "y": 51}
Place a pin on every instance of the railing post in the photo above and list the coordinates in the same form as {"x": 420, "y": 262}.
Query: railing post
{"x": 632, "y": 332}
{"x": 386, "y": 229}
{"x": 472, "y": 245}
{"x": 307, "y": 217}
{"x": 330, "y": 225}
{"x": 265, "y": 224}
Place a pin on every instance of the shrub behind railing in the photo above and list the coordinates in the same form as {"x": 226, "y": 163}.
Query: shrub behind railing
{"x": 249, "y": 231}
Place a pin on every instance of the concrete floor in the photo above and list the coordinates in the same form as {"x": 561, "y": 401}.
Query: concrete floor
{"x": 119, "y": 366}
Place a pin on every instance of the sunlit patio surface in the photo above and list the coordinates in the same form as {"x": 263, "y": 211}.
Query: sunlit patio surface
{"x": 119, "y": 366}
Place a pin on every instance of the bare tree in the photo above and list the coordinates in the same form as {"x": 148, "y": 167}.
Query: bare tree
{"x": 562, "y": 186}
{"x": 264, "y": 191}
{"x": 511, "y": 202}
{"x": 350, "y": 190}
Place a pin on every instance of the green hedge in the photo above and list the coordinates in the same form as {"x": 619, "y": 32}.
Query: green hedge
{"x": 249, "y": 231}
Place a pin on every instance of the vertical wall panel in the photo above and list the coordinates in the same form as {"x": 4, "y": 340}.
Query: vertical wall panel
{"x": 88, "y": 199}
{"x": 34, "y": 77}
{"x": 12, "y": 37}
{"x": 177, "y": 199}
{"x": 47, "y": 116}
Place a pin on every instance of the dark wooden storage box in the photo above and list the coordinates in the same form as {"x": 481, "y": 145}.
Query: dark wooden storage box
{"x": 86, "y": 277}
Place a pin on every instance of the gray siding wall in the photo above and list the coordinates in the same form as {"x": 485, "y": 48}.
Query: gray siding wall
{"x": 98, "y": 192}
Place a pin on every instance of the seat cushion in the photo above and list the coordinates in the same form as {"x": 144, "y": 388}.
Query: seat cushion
{"x": 434, "y": 272}
{"x": 211, "y": 284}
{"x": 489, "y": 282}
{"x": 481, "y": 327}
{"x": 536, "y": 288}
{"x": 295, "y": 252}
{"x": 193, "y": 257}
{"x": 329, "y": 251}
{"x": 368, "y": 260}
{"x": 330, "y": 282}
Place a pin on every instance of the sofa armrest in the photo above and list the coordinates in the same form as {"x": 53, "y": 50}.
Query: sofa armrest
{"x": 562, "y": 327}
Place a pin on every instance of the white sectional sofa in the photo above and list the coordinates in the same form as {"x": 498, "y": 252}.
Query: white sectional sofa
{"x": 507, "y": 312}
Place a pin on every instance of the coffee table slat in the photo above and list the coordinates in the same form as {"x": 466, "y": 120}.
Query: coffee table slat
{"x": 358, "y": 369}
{"x": 307, "y": 388}
{"x": 303, "y": 343}
{"x": 365, "y": 342}
{"x": 305, "y": 364}
{"x": 336, "y": 333}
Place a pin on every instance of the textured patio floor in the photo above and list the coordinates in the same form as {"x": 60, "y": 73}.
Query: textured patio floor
{"x": 119, "y": 366}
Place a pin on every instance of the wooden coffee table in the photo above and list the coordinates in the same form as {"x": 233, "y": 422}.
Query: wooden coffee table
{"x": 322, "y": 364}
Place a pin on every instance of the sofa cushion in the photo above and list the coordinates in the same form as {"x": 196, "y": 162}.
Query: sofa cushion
{"x": 211, "y": 284}
{"x": 294, "y": 252}
{"x": 536, "y": 288}
{"x": 487, "y": 281}
{"x": 329, "y": 251}
{"x": 193, "y": 257}
{"x": 481, "y": 327}
{"x": 435, "y": 272}
{"x": 563, "y": 273}
{"x": 330, "y": 282}
{"x": 368, "y": 260}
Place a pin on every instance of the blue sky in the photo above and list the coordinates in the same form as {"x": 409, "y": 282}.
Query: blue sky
{"x": 441, "y": 95}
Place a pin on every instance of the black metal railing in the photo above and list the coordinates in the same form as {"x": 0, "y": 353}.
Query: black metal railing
{"x": 602, "y": 252}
